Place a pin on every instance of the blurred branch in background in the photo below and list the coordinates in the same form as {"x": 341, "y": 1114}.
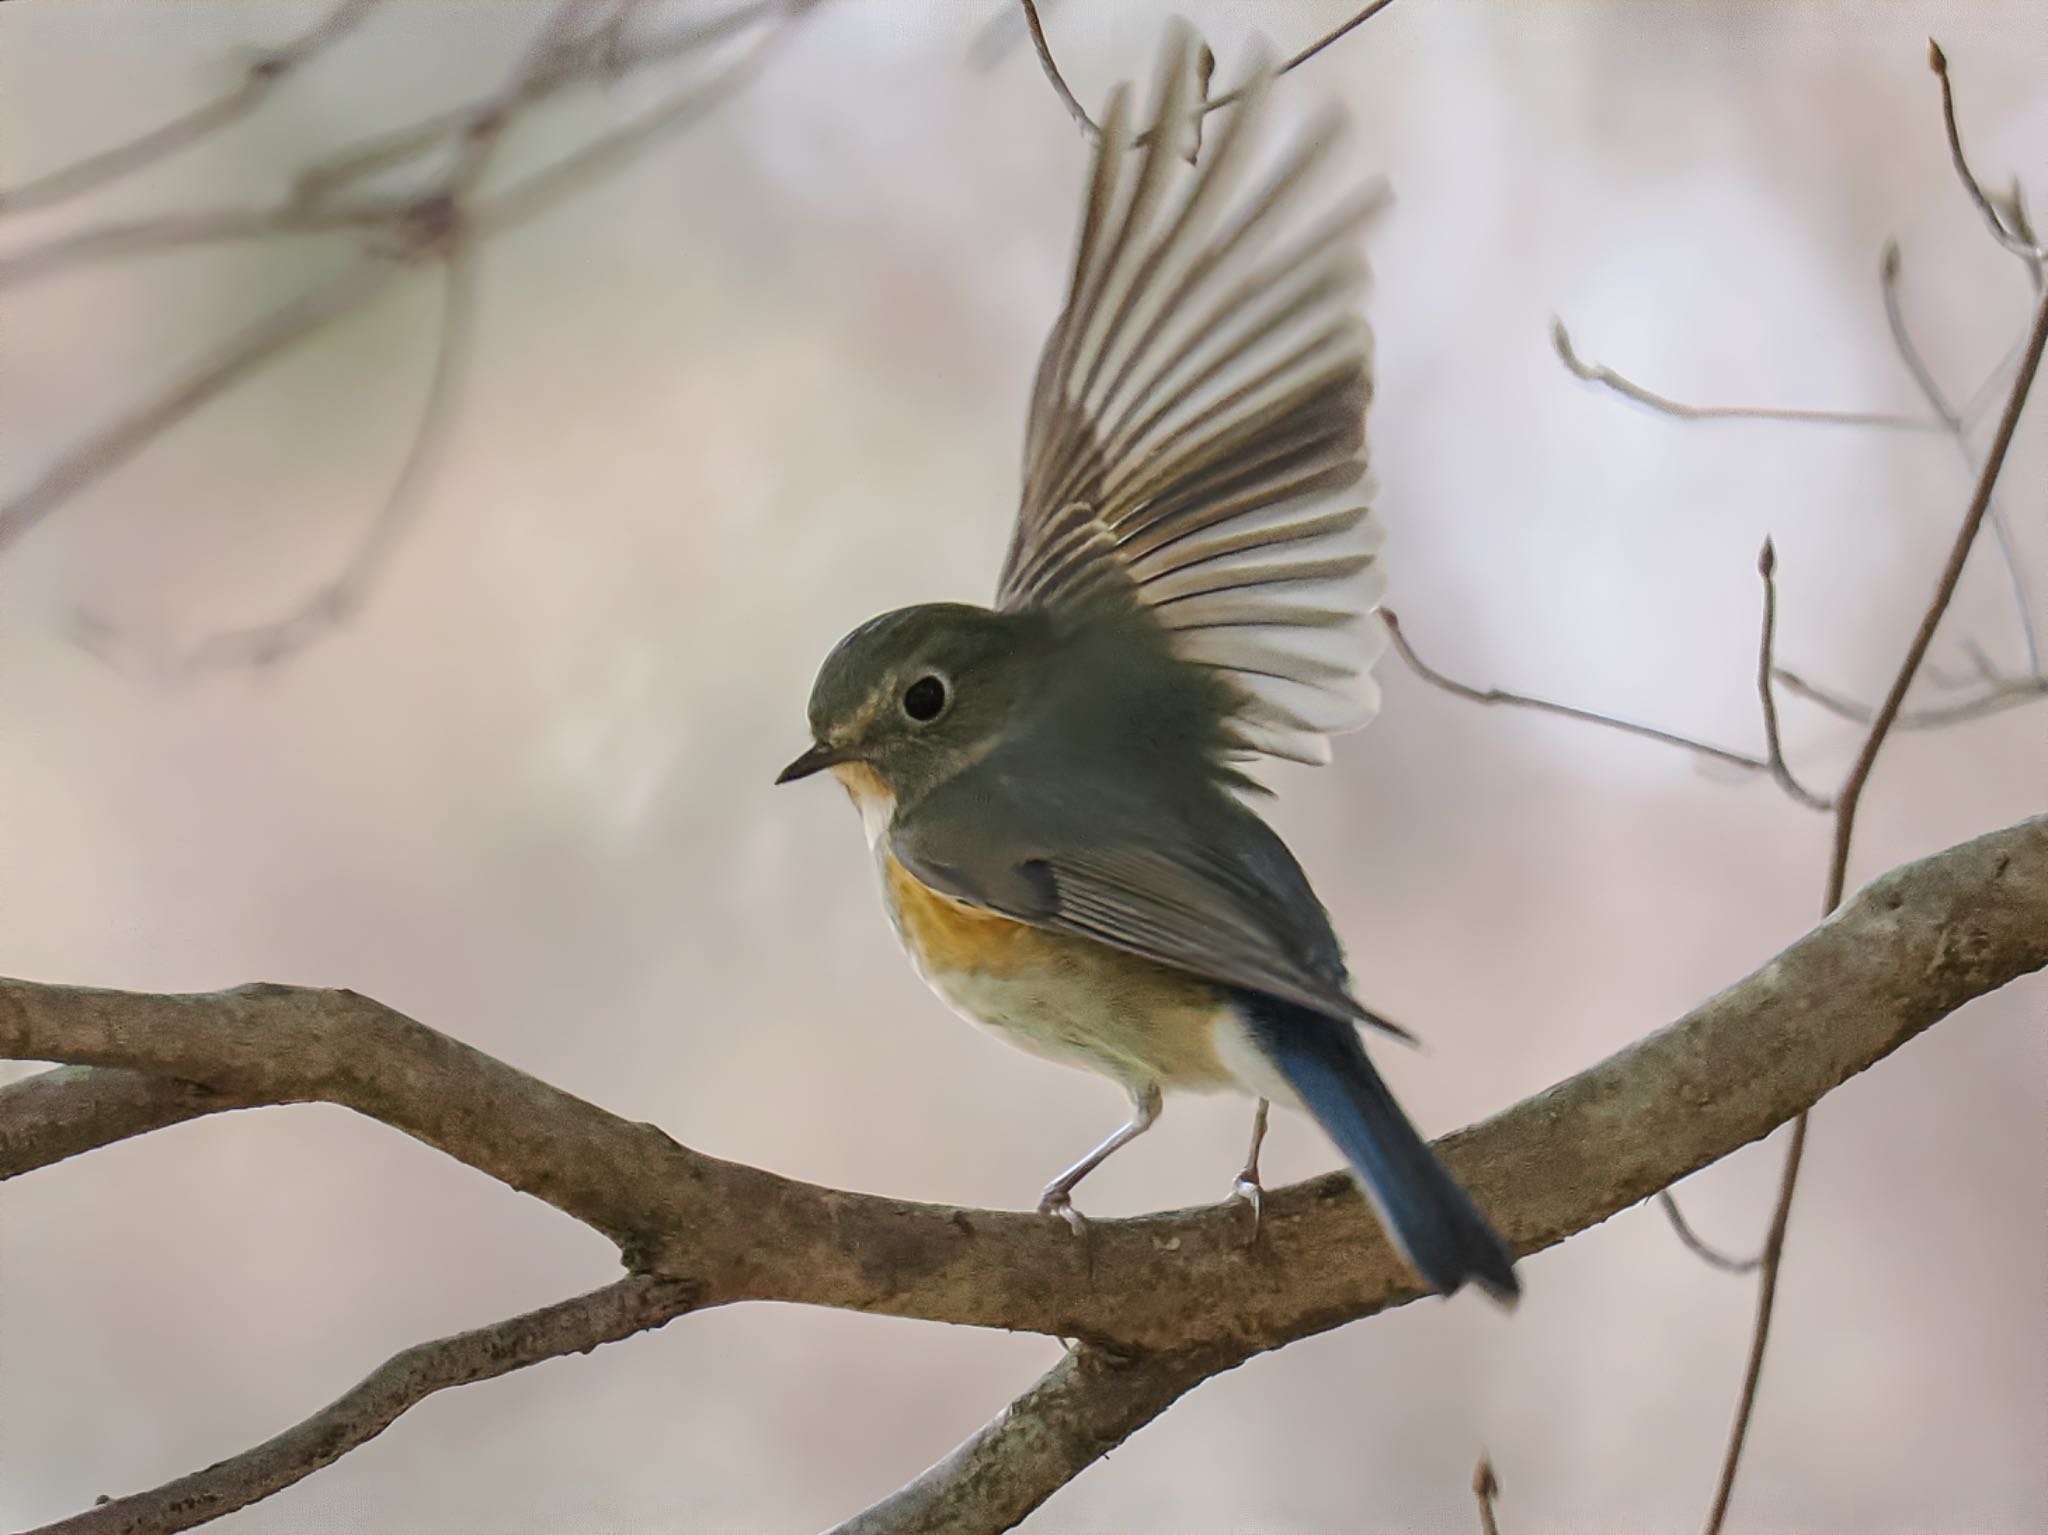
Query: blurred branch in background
{"x": 581, "y": 43}
{"x": 1156, "y": 1304}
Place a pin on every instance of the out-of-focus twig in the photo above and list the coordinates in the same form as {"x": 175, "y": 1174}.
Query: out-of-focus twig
{"x": 1958, "y": 430}
{"x": 339, "y": 597}
{"x": 115, "y": 444}
{"x": 441, "y": 224}
{"x": 1486, "y": 1492}
{"x": 1628, "y": 389}
{"x": 2012, "y": 234}
{"x": 1767, "y": 568}
{"x": 2001, "y": 694}
{"x": 261, "y": 79}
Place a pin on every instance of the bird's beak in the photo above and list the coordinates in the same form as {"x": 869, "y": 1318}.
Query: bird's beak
{"x": 816, "y": 760}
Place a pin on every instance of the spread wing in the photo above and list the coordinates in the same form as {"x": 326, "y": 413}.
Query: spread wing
{"x": 1231, "y": 905}
{"x": 1196, "y": 443}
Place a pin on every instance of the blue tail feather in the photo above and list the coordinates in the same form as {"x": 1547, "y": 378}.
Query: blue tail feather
{"x": 1433, "y": 1221}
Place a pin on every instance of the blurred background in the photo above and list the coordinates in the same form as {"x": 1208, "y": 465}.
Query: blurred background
{"x": 769, "y": 380}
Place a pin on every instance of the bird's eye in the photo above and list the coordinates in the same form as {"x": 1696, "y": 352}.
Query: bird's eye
{"x": 925, "y": 699}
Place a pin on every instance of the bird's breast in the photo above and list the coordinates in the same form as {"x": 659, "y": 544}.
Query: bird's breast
{"x": 1063, "y": 997}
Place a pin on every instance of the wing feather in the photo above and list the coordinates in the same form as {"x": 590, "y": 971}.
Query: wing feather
{"x": 1196, "y": 441}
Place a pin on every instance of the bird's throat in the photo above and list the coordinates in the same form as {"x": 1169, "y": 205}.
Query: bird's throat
{"x": 871, "y": 797}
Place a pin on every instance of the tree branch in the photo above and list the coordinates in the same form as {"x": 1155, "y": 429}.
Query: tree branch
{"x": 1466, "y": 691}
{"x": 1084, "y": 1407}
{"x": 577, "y": 1326}
{"x": 1911, "y": 948}
{"x": 263, "y": 76}
{"x": 1846, "y": 803}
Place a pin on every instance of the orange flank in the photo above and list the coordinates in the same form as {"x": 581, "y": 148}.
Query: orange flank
{"x": 949, "y": 936}
{"x": 1059, "y": 995}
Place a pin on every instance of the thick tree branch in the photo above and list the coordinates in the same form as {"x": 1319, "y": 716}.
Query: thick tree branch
{"x": 1912, "y": 947}
{"x": 577, "y": 1326}
{"x": 1177, "y": 1290}
{"x": 1087, "y": 1405}
{"x": 76, "y": 1109}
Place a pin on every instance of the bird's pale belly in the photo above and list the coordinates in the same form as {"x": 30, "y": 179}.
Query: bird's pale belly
{"x": 1067, "y": 999}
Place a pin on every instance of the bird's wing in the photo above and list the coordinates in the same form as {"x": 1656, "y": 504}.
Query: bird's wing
{"x": 1196, "y": 442}
{"x": 1232, "y": 907}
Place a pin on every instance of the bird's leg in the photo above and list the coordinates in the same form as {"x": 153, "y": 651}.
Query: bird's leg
{"x": 1248, "y": 1188}
{"x": 1058, "y": 1198}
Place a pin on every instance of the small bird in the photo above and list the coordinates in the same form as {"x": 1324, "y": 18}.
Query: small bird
{"x": 1053, "y": 786}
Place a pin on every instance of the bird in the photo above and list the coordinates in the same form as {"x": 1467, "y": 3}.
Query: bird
{"x": 1056, "y": 787}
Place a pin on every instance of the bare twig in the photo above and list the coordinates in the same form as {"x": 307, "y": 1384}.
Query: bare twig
{"x": 1913, "y": 947}
{"x": 1701, "y": 1248}
{"x": 1058, "y": 81}
{"x": 616, "y": 1312}
{"x": 262, "y": 343}
{"x": 2002, "y": 694}
{"x": 1767, "y": 567}
{"x": 1450, "y": 685}
{"x": 1958, "y": 430}
{"x": 1846, "y": 804}
{"x": 339, "y": 598}
{"x": 1212, "y": 104}
{"x": 437, "y": 225}
{"x": 2015, "y": 238}
{"x": 156, "y": 236}
{"x": 1628, "y": 389}
{"x": 1486, "y": 1491}
{"x": 261, "y": 79}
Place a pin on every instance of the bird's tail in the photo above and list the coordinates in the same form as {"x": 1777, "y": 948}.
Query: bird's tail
{"x": 1434, "y": 1222}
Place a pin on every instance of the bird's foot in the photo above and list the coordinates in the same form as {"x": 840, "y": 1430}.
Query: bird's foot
{"x": 1248, "y": 1191}
{"x": 1060, "y": 1202}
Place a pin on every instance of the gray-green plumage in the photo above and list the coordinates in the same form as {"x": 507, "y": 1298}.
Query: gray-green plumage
{"x": 1190, "y": 584}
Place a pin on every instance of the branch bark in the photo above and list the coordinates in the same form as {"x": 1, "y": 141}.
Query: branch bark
{"x": 617, "y": 1311}
{"x": 1174, "y": 1297}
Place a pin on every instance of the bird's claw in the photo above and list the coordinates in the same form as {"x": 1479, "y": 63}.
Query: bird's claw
{"x": 1248, "y": 1191}
{"x": 1059, "y": 1202}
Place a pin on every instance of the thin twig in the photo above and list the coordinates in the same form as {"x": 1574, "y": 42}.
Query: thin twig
{"x": 1450, "y": 685}
{"x": 261, "y": 343}
{"x": 1701, "y": 1248}
{"x": 181, "y": 231}
{"x": 1212, "y": 104}
{"x": 1902, "y": 337}
{"x": 536, "y": 194}
{"x": 1058, "y": 81}
{"x": 2004, "y": 233}
{"x": 261, "y": 78}
{"x": 434, "y": 226}
{"x": 616, "y": 1312}
{"x": 1486, "y": 1491}
{"x": 1781, "y": 770}
{"x": 1923, "y": 376}
{"x": 1846, "y": 804}
{"x": 338, "y": 599}
{"x": 2005, "y": 693}
{"x": 1628, "y": 389}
